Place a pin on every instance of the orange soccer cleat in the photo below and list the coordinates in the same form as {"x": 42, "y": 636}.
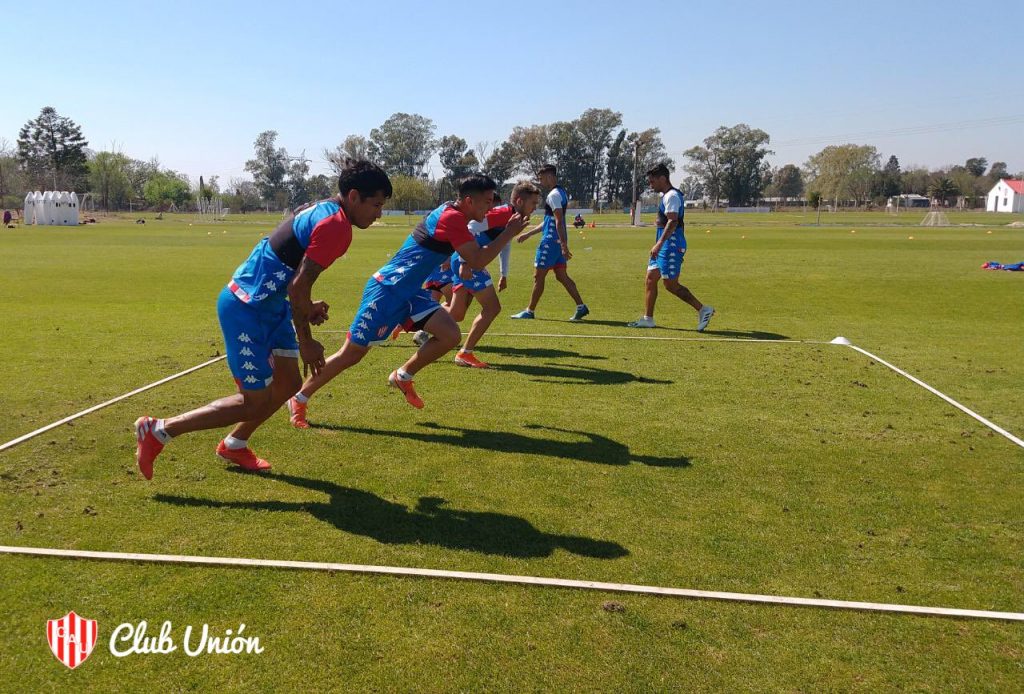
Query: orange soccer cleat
{"x": 297, "y": 412}
{"x": 147, "y": 446}
{"x": 242, "y": 457}
{"x": 407, "y": 390}
{"x": 468, "y": 359}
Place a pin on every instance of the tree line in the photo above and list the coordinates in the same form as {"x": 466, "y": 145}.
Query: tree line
{"x": 601, "y": 164}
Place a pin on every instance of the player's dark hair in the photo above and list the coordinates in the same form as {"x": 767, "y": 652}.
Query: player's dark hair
{"x": 659, "y": 170}
{"x": 547, "y": 168}
{"x": 365, "y": 177}
{"x": 476, "y": 183}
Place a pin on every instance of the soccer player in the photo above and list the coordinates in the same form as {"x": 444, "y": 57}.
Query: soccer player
{"x": 553, "y": 249}
{"x": 265, "y": 312}
{"x": 394, "y": 295}
{"x": 668, "y": 251}
{"x": 477, "y": 284}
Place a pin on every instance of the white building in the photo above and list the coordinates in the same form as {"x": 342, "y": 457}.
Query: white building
{"x": 1006, "y": 196}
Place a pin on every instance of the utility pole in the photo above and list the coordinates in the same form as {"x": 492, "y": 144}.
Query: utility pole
{"x": 636, "y": 167}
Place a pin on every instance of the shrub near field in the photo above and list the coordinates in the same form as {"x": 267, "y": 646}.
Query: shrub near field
{"x": 790, "y": 468}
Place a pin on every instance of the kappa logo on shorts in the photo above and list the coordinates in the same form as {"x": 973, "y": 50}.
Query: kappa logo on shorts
{"x": 245, "y": 338}
{"x": 280, "y": 275}
{"x": 71, "y": 638}
{"x": 248, "y": 366}
{"x": 246, "y": 352}
{"x": 250, "y": 379}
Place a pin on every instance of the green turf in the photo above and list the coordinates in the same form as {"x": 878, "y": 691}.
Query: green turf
{"x": 791, "y": 469}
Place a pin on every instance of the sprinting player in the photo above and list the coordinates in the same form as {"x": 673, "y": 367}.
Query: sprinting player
{"x": 477, "y": 284}
{"x": 668, "y": 252}
{"x": 265, "y": 312}
{"x": 553, "y": 249}
{"x": 394, "y": 295}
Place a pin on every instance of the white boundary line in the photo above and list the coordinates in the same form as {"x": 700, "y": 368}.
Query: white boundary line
{"x": 521, "y": 580}
{"x": 994, "y": 427}
{"x": 32, "y": 434}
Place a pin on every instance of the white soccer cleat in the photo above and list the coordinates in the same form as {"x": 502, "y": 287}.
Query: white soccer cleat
{"x": 642, "y": 322}
{"x": 704, "y": 317}
{"x": 421, "y": 337}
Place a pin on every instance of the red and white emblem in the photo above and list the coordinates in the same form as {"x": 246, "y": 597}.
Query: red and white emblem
{"x": 71, "y": 638}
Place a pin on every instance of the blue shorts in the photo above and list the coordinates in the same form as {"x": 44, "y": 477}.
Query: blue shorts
{"x": 480, "y": 281}
{"x": 549, "y": 254}
{"x": 439, "y": 278}
{"x": 383, "y": 309}
{"x": 670, "y": 259}
{"x": 253, "y": 337}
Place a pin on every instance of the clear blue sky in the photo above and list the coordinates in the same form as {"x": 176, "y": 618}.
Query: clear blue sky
{"x": 194, "y": 83}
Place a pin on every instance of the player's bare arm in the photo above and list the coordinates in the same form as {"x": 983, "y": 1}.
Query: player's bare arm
{"x": 670, "y": 226}
{"x": 563, "y": 237}
{"x": 305, "y": 311}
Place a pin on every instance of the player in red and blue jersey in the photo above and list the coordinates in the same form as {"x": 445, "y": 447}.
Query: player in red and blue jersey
{"x": 668, "y": 252}
{"x": 265, "y": 314}
{"x": 472, "y": 284}
{"x": 553, "y": 250}
{"x": 394, "y": 295}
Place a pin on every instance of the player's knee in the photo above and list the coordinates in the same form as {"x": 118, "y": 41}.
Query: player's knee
{"x": 671, "y": 283}
{"x": 652, "y": 280}
{"x": 449, "y": 336}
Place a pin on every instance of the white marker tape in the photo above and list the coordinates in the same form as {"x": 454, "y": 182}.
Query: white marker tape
{"x": 994, "y": 427}
{"x": 14, "y": 442}
{"x": 522, "y": 580}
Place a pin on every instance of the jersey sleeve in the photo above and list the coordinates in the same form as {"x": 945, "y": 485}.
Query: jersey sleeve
{"x": 498, "y": 217}
{"x": 453, "y": 227}
{"x": 673, "y": 202}
{"x": 329, "y": 240}
{"x": 554, "y": 199}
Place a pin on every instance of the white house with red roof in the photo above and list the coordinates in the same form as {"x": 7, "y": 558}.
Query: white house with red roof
{"x": 1006, "y": 196}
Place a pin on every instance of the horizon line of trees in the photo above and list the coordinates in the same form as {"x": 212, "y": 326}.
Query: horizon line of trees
{"x": 600, "y": 164}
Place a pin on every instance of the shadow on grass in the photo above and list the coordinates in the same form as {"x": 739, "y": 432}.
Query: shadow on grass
{"x": 740, "y": 334}
{"x": 429, "y": 523}
{"x": 594, "y": 448}
{"x": 538, "y": 353}
{"x": 577, "y": 375}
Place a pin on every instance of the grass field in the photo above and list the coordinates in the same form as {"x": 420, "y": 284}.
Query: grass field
{"x": 778, "y": 468}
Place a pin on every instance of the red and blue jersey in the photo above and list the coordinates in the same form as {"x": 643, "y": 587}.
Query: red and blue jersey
{"x": 432, "y": 241}
{"x": 319, "y": 231}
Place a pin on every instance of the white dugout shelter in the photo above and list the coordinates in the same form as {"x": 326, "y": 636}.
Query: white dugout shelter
{"x": 52, "y": 208}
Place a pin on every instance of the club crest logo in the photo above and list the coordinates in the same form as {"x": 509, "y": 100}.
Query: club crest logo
{"x": 383, "y": 331}
{"x": 71, "y": 638}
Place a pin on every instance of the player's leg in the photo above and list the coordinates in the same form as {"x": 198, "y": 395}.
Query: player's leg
{"x": 247, "y": 346}
{"x": 539, "y": 276}
{"x": 459, "y": 303}
{"x": 562, "y": 275}
{"x": 650, "y": 297}
{"x": 490, "y": 307}
{"x": 444, "y": 337}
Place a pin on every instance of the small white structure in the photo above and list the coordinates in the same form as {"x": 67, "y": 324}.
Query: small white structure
{"x": 1006, "y": 196}
{"x": 52, "y": 208}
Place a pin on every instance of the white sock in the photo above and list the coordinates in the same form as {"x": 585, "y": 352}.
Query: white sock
{"x": 160, "y": 433}
{"x": 300, "y": 398}
{"x": 465, "y": 351}
{"x": 403, "y": 375}
{"x": 234, "y": 444}
{"x": 648, "y": 317}
{"x": 581, "y": 305}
